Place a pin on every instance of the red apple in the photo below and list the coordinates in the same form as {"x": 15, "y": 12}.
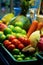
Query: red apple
{"x": 7, "y": 43}
{"x": 2, "y": 26}
{"x": 11, "y": 38}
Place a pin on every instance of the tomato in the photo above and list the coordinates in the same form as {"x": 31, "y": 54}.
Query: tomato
{"x": 11, "y": 38}
{"x": 11, "y": 47}
{"x": 7, "y": 43}
{"x": 16, "y": 42}
{"x": 20, "y": 46}
{"x": 25, "y": 41}
{"x": 21, "y": 39}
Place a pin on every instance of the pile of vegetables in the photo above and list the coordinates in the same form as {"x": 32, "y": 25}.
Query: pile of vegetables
{"x": 22, "y": 42}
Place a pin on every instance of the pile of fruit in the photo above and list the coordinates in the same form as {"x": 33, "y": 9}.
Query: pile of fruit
{"x": 21, "y": 37}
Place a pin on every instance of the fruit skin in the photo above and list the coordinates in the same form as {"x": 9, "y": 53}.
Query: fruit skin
{"x": 8, "y": 35}
{"x": 20, "y": 35}
{"x": 15, "y": 51}
{"x": 7, "y": 31}
{"x": 7, "y": 43}
{"x": 7, "y": 18}
{"x": 11, "y": 27}
{"x": 22, "y": 56}
{"x": 27, "y": 58}
{"x": 14, "y": 34}
{"x": 40, "y": 44}
{"x": 2, "y": 36}
{"x": 17, "y": 29}
{"x": 24, "y": 32}
{"x": 2, "y": 26}
{"x": 19, "y": 59}
{"x": 1, "y": 32}
{"x": 26, "y": 21}
{"x": 11, "y": 38}
{"x": 20, "y": 24}
{"x": 24, "y": 40}
{"x": 0, "y": 21}
{"x": 16, "y": 42}
{"x": 11, "y": 47}
{"x": 21, "y": 46}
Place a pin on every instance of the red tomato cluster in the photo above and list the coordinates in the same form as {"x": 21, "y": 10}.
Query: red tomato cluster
{"x": 13, "y": 42}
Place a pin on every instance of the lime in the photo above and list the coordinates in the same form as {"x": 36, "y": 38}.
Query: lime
{"x": 16, "y": 51}
{"x": 19, "y": 59}
{"x": 22, "y": 55}
{"x": 27, "y": 58}
{"x": 18, "y": 56}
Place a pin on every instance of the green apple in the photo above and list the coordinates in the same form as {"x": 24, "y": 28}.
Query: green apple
{"x": 7, "y": 31}
{"x": 17, "y": 29}
{"x": 11, "y": 27}
{"x": 24, "y": 32}
{"x": 20, "y": 24}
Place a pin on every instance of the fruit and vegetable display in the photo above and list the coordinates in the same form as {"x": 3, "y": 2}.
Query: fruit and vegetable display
{"x": 21, "y": 37}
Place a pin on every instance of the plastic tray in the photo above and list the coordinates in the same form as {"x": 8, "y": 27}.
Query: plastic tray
{"x": 12, "y": 60}
{"x": 40, "y": 56}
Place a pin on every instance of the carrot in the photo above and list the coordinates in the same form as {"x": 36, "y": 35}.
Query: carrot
{"x": 33, "y": 27}
{"x": 40, "y": 25}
